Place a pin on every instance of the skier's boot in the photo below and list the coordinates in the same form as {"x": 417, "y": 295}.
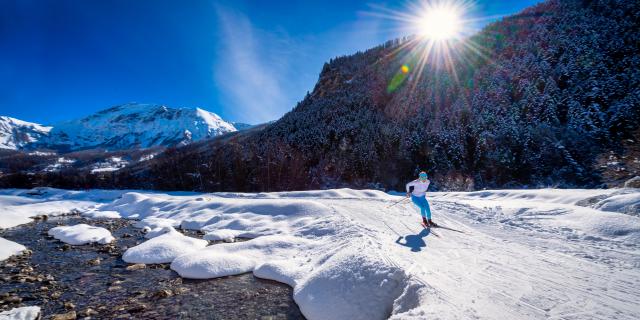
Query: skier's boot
{"x": 432, "y": 224}
{"x": 425, "y": 222}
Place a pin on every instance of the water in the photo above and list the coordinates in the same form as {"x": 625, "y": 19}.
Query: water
{"x": 56, "y": 274}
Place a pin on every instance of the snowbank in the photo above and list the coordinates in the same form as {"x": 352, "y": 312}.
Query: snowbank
{"x": 81, "y": 234}
{"x": 101, "y": 215}
{"x": 9, "y": 248}
{"x": 22, "y": 313}
{"x": 17, "y": 206}
{"x": 499, "y": 253}
{"x": 228, "y": 235}
{"x": 628, "y": 203}
{"x": 163, "y": 249}
{"x": 577, "y": 213}
{"x": 351, "y": 285}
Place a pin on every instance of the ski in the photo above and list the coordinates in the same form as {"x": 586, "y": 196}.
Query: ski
{"x": 430, "y": 230}
{"x": 447, "y": 228}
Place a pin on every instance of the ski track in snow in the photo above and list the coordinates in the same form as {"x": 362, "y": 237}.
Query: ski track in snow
{"x": 504, "y": 254}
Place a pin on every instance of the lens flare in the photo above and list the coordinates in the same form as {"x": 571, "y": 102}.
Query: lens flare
{"x": 440, "y": 22}
{"x": 438, "y": 45}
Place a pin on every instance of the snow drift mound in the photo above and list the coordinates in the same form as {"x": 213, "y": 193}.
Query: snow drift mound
{"x": 354, "y": 285}
{"x": 21, "y": 313}
{"x": 81, "y": 234}
{"x": 295, "y": 240}
{"x": 9, "y": 248}
{"x": 163, "y": 249}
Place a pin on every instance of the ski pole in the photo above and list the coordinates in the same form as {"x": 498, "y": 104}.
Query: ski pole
{"x": 397, "y": 202}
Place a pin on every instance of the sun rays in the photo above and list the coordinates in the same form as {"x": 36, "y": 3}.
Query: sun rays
{"x": 441, "y": 40}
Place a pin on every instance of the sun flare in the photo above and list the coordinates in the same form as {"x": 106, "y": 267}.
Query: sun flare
{"x": 440, "y": 23}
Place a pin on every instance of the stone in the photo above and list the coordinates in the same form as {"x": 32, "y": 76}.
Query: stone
{"x": 27, "y": 269}
{"x": 13, "y": 299}
{"x": 114, "y": 288}
{"x": 633, "y": 182}
{"x": 137, "y": 308}
{"x": 88, "y": 312}
{"x": 136, "y": 266}
{"x": 94, "y": 262}
{"x": 71, "y": 315}
{"x": 161, "y": 294}
{"x": 69, "y": 305}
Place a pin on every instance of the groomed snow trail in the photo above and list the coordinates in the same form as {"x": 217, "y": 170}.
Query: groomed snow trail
{"x": 486, "y": 271}
{"x": 349, "y": 254}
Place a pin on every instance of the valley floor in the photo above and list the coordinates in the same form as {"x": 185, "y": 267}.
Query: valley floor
{"x": 350, "y": 254}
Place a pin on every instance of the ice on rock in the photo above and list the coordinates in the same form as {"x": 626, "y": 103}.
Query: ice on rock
{"x": 155, "y": 222}
{"x": 163, "y": 249}
{"x": 102, "y": 215}
{"x": 21, "y": 313}
{"x": 152, "y": 233}
{"x": 153, "y": 226}
{"x": 9, "y": 248}
{"x": 81, "y": 234}
{"x": 226, "y": 235}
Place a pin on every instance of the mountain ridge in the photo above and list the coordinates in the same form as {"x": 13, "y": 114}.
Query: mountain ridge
{"x": 126, "y": 126}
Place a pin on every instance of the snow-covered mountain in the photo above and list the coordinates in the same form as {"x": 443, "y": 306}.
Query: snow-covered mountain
{"x": 122, "y": 127}
{"x": 15, "y": 133}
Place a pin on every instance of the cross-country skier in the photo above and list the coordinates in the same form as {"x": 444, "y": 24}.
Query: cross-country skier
{"x": 417, "y": 189}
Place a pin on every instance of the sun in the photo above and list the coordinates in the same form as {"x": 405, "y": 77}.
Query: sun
{"x": 440, "y": 22}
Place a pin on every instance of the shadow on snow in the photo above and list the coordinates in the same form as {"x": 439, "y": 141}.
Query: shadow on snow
{"x": 414, "y": 241}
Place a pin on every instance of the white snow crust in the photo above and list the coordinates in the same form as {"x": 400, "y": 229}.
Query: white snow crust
{"x": 349, "y": 254}
{"x": 21, "y": 313}
{"x": 163, "y": 248}
{"x": 9, "y": 248}
{"x": 80, "y": 234}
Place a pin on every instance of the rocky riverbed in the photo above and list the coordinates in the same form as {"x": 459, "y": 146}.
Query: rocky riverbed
{"x": 92, "y": 281}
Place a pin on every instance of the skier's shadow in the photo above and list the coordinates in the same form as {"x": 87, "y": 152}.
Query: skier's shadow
{"x": 414, "y": 241}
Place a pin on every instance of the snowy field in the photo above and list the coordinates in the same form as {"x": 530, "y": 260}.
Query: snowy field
{"x": 349, "y": 254}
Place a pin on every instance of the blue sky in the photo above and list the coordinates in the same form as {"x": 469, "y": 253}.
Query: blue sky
{"x": 248, "y": 61}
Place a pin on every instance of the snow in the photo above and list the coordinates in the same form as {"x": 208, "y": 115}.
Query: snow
{"x": 81, "y": 234}
{"x": 9, "y": 248}
{"x": 137, "y": 125}
{"x": 18, "y": 206}
{"x": 16, "y": 133}
{"x": 21, "y": 313}
{"x": 60, "y": 163}
{"x": 109, "y": 165}
{"x": 41, "y": 153}
{"x": 163, "y": 248}
{"x": 521, "y": 254}
{"x": 101, "y": 214}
